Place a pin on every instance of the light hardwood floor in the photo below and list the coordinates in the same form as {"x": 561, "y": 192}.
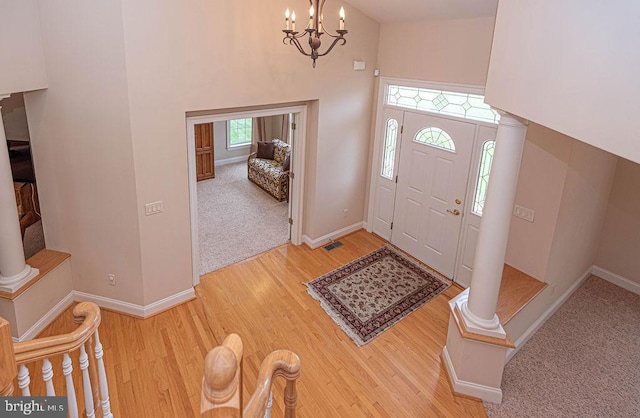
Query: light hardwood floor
{"x": 155, "y": 365}
{"x": 398, "y": 374}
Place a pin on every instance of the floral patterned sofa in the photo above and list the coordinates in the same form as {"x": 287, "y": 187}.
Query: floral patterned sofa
{"x": 271, "y": 174}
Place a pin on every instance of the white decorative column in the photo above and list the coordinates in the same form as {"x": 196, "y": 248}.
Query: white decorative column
{"x": 479, "y": 311}
{"x": 13, "y": 270}
{"x": 476, "y": 342}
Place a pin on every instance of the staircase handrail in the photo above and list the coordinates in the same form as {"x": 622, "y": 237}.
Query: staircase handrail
{"x": 87, "y": 314}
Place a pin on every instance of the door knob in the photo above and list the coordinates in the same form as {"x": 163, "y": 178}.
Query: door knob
{"x": 455, "y": 211}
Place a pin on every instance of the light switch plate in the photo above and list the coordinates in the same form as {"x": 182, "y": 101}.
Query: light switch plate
{"x": 524, "y": 213}
{"x": 153, "y": 208}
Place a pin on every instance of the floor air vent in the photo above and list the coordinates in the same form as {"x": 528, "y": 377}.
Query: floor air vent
{"x": 333, "y": 245}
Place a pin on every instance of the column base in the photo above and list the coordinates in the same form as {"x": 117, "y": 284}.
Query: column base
{"x": 465, "y": 388}
{"x": 477, "y": 325}
{"x": 474, "y": 362}
{"x": 12, "y": 283}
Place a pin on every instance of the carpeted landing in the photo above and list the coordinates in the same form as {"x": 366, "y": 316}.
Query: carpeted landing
{"x": 583, "y": 362}
{"x": 237, "y": 219}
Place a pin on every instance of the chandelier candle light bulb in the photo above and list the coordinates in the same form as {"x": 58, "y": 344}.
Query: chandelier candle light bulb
{"x": 287, "y": 24}
{"x": 341, "y": 18}
{"x": 293, "y": 21}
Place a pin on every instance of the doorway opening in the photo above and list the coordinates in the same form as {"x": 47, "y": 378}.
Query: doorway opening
{"x": 23, "y": 172}
{"x": 238, "y": 209}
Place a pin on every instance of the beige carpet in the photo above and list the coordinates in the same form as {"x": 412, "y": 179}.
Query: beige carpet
{"x": 237, "y": 219}
{"x": 33, "y": 239}
{"x": 583, "y": 362}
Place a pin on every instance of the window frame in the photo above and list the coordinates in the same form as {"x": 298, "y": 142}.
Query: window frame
{"x": 243, "y": 144}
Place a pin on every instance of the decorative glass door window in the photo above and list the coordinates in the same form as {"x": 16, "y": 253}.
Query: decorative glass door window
{"x": 486, "y": 158}
{"x": 389, "y": 150}
{"x": 435, "y": 137}
{"x": 464, "y": 105}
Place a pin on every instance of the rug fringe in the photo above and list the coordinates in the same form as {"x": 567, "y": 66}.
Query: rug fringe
{"x": 336, "y": 317}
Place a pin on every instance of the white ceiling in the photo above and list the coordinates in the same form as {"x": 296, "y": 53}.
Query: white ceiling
{"x": 387, "y": 11}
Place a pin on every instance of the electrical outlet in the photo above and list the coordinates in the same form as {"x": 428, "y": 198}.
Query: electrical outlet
{"x": 524, "y": 213}
{"x": 112, "y": 279}
{"x": 345, "y": 213}
{"x": 153, "y": 208}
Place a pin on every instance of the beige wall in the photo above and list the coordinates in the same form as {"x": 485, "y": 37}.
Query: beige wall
{"x": 82, "y": 147}
{"x": 620, "y": 237}
{"x": 576, "y": 232}
{"x": 571, "y": 66}
{"x": 452, "y": 51}
{"x": 543, "y": 171}
{"x": 21, "y": 58}
{"x": 14, "y": 116}
{"x": 109, "y": 133}
{"x": 230, "y": 66}
{"x": 154, "y": 50}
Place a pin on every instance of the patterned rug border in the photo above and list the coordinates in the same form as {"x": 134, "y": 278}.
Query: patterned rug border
{"x": 407, "y": 305}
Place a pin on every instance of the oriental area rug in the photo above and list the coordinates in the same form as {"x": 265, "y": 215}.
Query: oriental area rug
{"x": 374, "y": 292}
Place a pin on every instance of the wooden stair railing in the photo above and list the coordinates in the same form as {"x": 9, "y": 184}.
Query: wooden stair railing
{"x": 222, "y": 382}
{"x": 84, "y": 338}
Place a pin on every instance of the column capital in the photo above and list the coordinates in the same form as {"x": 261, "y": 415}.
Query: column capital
{"x": 509, "y": 119}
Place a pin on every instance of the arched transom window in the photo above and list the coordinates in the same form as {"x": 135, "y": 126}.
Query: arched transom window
{"x": 435, "y": 137}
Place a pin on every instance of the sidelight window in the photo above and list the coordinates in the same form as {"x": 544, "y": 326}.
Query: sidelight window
{"x": 486, "y": 158}
{"x": 389, "y": 150}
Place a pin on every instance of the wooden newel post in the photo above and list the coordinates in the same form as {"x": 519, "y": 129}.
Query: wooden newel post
{"x": 8, "y": 368}
{"x": 222, "y": 382}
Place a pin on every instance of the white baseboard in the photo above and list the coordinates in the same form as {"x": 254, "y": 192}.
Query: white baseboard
{"x": 231, "y": 160}
{"x": 43, "y": 322}
{"x": 546, "y": 315}
{"x": 319, "y": 242}
{"x": 486, "y": 393}
{"x": 133, "y": 309}
{"x": 616, "y": 279}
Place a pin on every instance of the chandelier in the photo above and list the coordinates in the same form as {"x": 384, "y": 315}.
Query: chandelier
{"x": 314, "y": 30}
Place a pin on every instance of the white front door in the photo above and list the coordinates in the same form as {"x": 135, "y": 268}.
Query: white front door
{"x": 385, "y": 191}
{"x": 433, "y": 171}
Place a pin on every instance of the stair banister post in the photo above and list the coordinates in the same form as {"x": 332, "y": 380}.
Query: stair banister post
{"x": 8, "y": 368}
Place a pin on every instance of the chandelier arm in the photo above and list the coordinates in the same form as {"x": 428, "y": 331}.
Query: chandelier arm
{"x": 296, "y": 43}
{"x": 333, "y": 36}
{"x": 302, "y": 34}
{"x": 335, "y": 41}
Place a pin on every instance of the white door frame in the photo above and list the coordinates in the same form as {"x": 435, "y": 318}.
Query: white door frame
{"x": 379, "y": 128}
{"x": 296, "y": 184}
{"x": 379, "y": 139}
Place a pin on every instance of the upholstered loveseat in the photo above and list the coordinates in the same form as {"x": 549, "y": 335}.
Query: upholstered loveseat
{"x": 268, "y": 167}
